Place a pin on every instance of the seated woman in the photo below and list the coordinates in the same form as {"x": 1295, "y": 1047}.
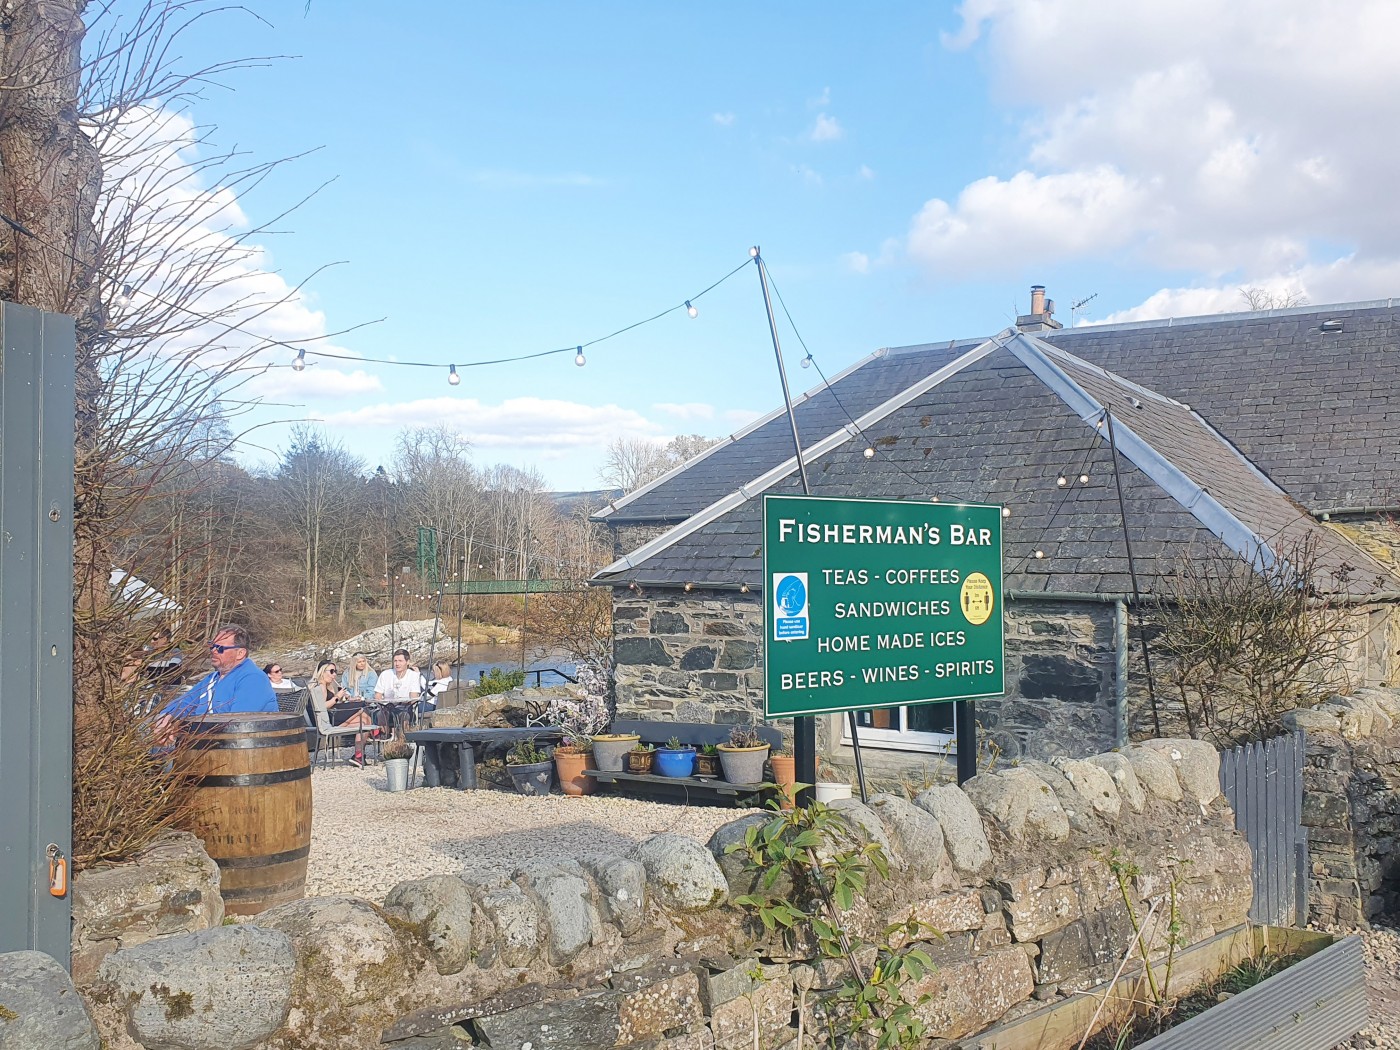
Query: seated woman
{"x": 359, "y": 678}
{"x": 280, "y": 683}
{"x": 343, "y": 710}
{"x": 442, "y": 681}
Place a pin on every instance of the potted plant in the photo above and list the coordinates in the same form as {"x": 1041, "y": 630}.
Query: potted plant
{"x": 610, "y": 750}
{"x": 743, "y": 757}
{"x": 530, "y": 767}
{"x": 641, "y": 758}
{"x": 395, "y": 755}
{"x": 784, "y": 765}
{"x": 579, "y": 714}
{"x": 707, "y": 761}
{"x": 675, "y": 759}
{"x": 571, "y": 758}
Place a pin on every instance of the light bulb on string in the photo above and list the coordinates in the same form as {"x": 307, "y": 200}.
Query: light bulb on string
{"x": 807, "y": 361}
{"x": 579, "y": 359}
{"x": 452, "y": 376}
{"x": 123, "y": 299}
{"x": 691, "y": 310}
{"x": 1062, "y": 481}
{"x": 869, "y": 453}
{"x": 753, "y": 252}
{"x": 299, "y": 365}
{"x": 1006, "y": 512}
{"x": 1039, "y": 555}
{"x": 1083, "y": 479}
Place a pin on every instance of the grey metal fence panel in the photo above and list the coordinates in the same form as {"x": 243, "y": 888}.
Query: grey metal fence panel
{"x": 1312, "y": 1005}
{"x": 1264, "y": 784}
{"x": 36, "y": 622}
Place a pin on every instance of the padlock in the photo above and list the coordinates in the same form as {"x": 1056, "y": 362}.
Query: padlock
{"x": 58, "y": 871}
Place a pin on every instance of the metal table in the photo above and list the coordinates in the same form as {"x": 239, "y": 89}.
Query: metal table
{"x": 439, "y": 767}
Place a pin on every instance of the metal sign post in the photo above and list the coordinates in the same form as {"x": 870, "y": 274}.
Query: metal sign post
{"x": 36, "y": 628}
{"x": 880, "y": 603}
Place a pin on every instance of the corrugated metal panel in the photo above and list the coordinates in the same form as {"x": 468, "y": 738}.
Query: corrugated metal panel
{"x": 1264, "y": 784}
{"x": 1312, "y": 1005}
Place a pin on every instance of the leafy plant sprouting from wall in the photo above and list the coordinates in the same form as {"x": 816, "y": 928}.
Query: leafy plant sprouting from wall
{"x": 1244, "y": 647}
{"x": 803, "y": 846}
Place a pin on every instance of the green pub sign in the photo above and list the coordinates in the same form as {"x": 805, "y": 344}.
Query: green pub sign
{"x": 877, "y": 603}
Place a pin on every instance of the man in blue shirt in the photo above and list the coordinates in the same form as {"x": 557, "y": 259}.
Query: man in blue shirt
{"x": 235, "y": 685}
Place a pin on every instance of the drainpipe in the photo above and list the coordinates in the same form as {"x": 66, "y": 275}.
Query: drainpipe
{"x": 1120, "y": 671}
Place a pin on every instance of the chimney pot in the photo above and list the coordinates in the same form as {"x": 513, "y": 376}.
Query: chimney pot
{"x": 1037, "y": 299}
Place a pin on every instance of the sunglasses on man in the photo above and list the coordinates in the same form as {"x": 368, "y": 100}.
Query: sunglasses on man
{"x": 215, "y": 647}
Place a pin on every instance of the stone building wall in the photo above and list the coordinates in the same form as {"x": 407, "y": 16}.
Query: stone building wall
{"x": 1351, "y": 806}
{"x": 698, "y": 657}
{"x": 603, "y": 952}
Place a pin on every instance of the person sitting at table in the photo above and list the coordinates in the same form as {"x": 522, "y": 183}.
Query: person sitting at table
{"x": 279, "y": 681}
{"x": 442, "y": 680}
{"x": 400, "y": 684}
{"x": 234, "y": 686}
{"x": 359, "y": 678}
{"x": 343, "y": 709}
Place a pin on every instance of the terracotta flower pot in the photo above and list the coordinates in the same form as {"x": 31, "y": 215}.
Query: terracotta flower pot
{"x": 785, "y": 776}
{"x": 570, "y": 762}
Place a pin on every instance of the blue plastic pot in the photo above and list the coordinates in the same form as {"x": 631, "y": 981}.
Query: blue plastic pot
{"x": 675, "y": 762}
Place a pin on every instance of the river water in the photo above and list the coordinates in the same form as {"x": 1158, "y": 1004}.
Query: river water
{"x": 477, "y": 659}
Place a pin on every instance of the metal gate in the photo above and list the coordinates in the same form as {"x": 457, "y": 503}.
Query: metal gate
{"x": 1264, "y": 783}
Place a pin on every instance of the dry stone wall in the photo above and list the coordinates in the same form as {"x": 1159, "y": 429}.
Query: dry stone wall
{"x": 650, "y": 951}
{"x": 1351, "y": 806}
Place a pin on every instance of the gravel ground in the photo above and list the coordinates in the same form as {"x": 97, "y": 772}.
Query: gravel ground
{"x": 1383, "y": 988}
{"x": 365, "y": 840}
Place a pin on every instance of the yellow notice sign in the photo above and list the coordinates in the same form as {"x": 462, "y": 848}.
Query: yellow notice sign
{"x": 978, "y": 599}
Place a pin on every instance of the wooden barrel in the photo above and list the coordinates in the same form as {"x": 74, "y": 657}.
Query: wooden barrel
{"x": 252, "y": 805}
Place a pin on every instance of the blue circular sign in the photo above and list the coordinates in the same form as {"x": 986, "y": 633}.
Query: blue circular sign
{"x": 791, "y": 595}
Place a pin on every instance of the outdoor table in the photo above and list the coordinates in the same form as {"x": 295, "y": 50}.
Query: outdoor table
{"x": 466, "y": 740}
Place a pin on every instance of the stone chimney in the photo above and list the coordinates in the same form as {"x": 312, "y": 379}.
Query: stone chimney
{"x": 1042, "y": 315}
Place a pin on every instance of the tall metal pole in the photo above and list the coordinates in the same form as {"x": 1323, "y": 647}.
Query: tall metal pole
{"x": 461, "y": 595}
{"x": 1132, "y": 575}
{"x": 804, "y": 729}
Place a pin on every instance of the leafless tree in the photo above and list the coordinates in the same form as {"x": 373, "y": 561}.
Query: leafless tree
{"x": 634, "y": 462}
{"x": 1266, "y": 299}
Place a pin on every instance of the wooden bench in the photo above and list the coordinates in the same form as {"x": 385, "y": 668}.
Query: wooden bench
{"x": 690, "y": 789}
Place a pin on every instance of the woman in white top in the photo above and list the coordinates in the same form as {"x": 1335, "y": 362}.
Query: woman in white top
{"x": 442, "y": 681}
{"x": 280, "y": 682}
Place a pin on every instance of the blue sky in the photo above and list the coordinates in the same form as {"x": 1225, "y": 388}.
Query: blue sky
{"x": 517, "y": 177}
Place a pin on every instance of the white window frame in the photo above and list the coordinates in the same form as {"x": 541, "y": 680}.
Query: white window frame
{"x": 902, "y": 739}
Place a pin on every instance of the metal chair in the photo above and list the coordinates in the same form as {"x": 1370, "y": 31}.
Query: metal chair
{"x": 326, "y": 733}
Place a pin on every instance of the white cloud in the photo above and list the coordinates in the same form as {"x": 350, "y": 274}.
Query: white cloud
{"x": 724, "y": 120}
{"x": 1077, "y": 213}
{"x": 689, "y": 410}
{"x": 1342, "y": 280}
{"x": 824, "y": 99}
{"x": 865, "y": 172}
{"x": 1240, "y": 136}
{"x": 810, "y": 177}
{"x": 826, "y": 129}
{"x": 537, "y": 424}
{"x": 177, "y": 224}
{"x": 856, "y": 262}
{"x": 740, "y": 417}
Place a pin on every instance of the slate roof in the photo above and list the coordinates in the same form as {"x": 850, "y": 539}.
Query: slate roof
{"x": 1316, "y": 411}
{"x": 1002, "y": 427}
{"x": 768, "y": 441}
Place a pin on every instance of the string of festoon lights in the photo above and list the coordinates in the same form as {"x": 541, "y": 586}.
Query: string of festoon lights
{"x": 300, "y": 362}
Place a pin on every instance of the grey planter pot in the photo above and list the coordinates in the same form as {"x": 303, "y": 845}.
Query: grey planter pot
{"x": 743, "y": 765}
{"x": 533, "y": 778}
{"x": 610, "y": 750}
{"x": 396, "y": 769}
